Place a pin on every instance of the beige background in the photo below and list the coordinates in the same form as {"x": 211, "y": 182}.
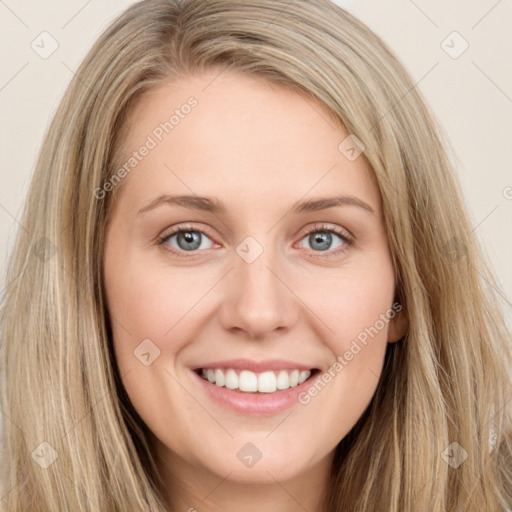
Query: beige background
{"x": 471, "y": 94}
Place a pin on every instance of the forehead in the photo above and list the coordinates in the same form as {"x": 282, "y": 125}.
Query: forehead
{"x": 238, "y": 137}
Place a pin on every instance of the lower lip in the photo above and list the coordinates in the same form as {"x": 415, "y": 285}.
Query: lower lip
{"x": 256, "y": 404}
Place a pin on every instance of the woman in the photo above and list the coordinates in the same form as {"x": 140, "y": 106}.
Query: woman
{"x": 249, "y": 281}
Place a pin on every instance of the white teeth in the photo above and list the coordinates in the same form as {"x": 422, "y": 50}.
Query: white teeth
{"x": 294, "y": 378}
{"x": 231, "y": 379}
{"x": 247, "y": 381}
{"x": 303, "y": 376}
{"x": 267, "y": 382}
{"x": 283, "y": 381}
{"x": 219, "y": 378}
{"x": 250, "y": 382}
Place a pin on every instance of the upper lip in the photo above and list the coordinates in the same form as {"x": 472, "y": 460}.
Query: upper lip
{"x": 255, "y": 366}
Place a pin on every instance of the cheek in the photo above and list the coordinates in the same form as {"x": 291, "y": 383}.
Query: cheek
{"x": 355, "y": 312}
{"x": 351, "y": 302}
{"x": 151, "y": 304}
{"x": 149, "y": 301}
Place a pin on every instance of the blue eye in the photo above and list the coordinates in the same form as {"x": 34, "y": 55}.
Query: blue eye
{"x": 186, "y": 239}
{"x": 321, "y": 239}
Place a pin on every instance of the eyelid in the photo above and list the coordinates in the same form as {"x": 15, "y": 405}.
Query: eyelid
{"x": 331, "y": 228}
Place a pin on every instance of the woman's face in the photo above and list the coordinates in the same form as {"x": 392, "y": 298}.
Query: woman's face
{"x": 256, "y": 287}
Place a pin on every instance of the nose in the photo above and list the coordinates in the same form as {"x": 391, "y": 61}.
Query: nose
{"x": 258, "y": 300}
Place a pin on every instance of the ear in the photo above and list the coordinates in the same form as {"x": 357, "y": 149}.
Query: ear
{"x": 398, "y": 326}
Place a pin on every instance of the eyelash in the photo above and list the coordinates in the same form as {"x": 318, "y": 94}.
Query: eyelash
{"x": 348, "y": 241}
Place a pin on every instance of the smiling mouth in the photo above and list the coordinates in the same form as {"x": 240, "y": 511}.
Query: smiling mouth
{"x": 246, "y": 381}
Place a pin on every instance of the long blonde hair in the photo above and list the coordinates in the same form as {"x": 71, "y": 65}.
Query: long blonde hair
{"x": 72, "y": 440}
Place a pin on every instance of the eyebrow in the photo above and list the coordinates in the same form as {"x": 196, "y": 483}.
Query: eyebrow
{"x": 212, "y": 205}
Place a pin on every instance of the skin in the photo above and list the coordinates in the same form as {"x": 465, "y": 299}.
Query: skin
{"x": 258, "y": 148}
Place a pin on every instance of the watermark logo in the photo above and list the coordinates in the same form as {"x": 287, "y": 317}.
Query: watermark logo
{"x": 45, "y": 455}
{"x": 44, "y": 249}
{"x": 351, "y": 147}
{"x": 146, "y": 352}
{"x": 249, "y": 455}
{"x": 454, "y": 249}
{"x": 454, "y": 45}
{"x": 44, "y": 45}
{"x": 249, "y": 249}
{"x": 454, "y": 455}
